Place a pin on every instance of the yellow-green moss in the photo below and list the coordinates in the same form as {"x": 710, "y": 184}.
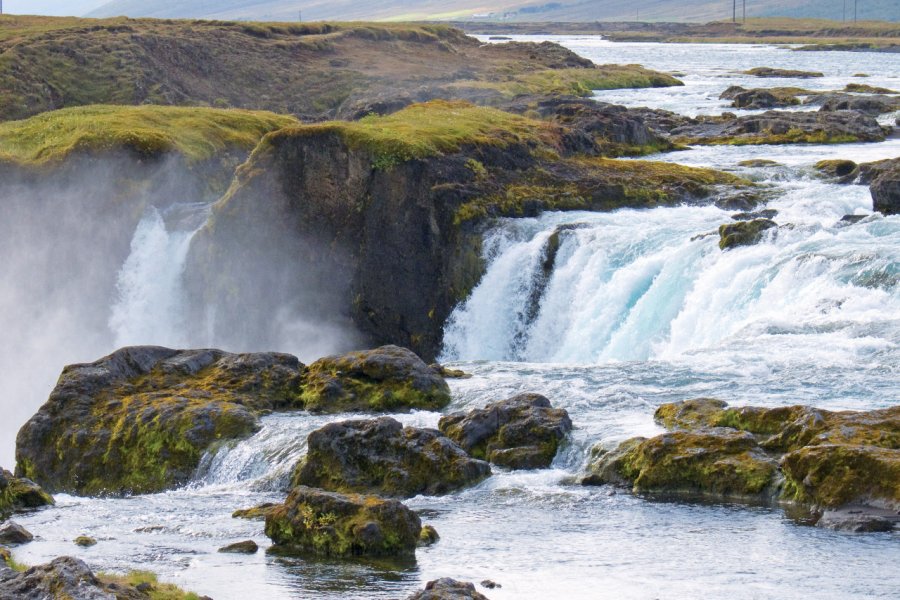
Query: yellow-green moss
{"x": 156, "y": 591}
{"x": 792, "y": 136}
{"x": 196, "y": 133}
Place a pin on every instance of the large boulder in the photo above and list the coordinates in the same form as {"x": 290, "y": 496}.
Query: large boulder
{"x": 870, "y": 105}
{"x": 844, "y": 464}
{"x": 140, "y": 419}
{"x": 380, "y": 456}
{"x": 743, "y": 233}
{"x": 18, "y": 493}
{"x": 716, "y": 463}
{"x": 883, "y": 178}
{"x": 522, "y": 432}
{"x": 448, "y": 589}
{"x": 13, "y": 534}
{"x": 761, "y": 98}
{"x": 389, "y": 378}
{"x": 313, "y": 521}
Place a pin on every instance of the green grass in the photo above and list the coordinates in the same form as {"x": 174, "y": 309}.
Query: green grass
{"x": 196, "y": 133}
{"x": 158, "y": 591}
{"x": 428, "y": 129}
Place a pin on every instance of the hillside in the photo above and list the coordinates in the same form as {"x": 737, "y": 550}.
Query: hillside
{"x": 527, "y": 10}
{"x": 313, "y": 71}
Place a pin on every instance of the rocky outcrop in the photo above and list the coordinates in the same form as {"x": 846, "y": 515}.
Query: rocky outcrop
{"x": 871, "y": 104}
{"x": 448, "y": 589}
{"x": 388, "y": 212}
{"x": 782, "y": 127}
{"x": 790, "y": 73}
{"x": 844, "y": 171}
{"x": 19, "y": 493}
{"x": 761, "y": 98}
{"x": 743, "y": 233}
{"x": 522, "y": 432}
{"x": 68, "y": 578}
{"x": 845, "y": 465}
{"x": 323, "y": 523}
{"x": 389, "y": 378}
{"x": 883, "y": 178}
{"x": 139, "y": 420}
{"x": 380, "y": 456}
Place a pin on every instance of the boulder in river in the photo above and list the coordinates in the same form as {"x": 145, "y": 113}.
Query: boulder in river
{"x": 313, "y": 521}
{"x": 245, "y": 547}
{"x": 743, "y": 233}
{"x": 13, "y": 534}
{"x": 448, "y": 589}
{"x": 522, "y": 432}
{"x": 843, "y": 170}
{"x": 19, "y": 493}
{"x": 883, "y": 178}
{"x": 380, "y": 456}
{"x": 388, "y": 378}
{"x": 789, "y": 73}
{"x": 844, "y": 466}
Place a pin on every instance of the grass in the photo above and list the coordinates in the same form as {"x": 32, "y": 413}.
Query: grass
{"x": 578, "y": 82}
{"x": 429, "y": 129}
{"x": 196, "y": 133}
{"x": 157, "y": 591}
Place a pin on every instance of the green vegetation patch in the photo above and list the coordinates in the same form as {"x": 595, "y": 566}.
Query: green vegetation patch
{"x": 196, "y": 133}
{"x": 155, "y": 589}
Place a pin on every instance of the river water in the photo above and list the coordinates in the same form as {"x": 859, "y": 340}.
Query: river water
{"x": 641, "y": 308}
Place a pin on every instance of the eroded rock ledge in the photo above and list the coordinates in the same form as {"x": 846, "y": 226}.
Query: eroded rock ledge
{"x": 843, "y": 465}
{"x": 140, "y": 419}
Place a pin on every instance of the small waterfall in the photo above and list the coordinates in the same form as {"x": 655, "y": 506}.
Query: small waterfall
{"x": 639, "y": 285}
{"x": 149, "y": 308}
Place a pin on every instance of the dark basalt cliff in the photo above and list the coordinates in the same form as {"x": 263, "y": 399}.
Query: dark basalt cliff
{"x": 382, "y": 218}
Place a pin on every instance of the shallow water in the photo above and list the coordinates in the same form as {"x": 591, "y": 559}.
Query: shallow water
{"x": 640, "y": 309}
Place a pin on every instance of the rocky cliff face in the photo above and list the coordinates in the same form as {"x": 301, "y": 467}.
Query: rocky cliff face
{"x": 380, "y": 221}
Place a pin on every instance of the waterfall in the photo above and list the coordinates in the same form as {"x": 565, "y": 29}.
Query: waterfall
{"x": 654, "y": 285}
{"x": 149, "y": 307}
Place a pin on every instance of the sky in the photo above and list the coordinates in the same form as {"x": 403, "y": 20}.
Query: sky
{"x": 51, "y": 7}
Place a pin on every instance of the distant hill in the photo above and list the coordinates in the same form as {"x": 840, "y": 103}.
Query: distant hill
{"x": 510, "y": 10}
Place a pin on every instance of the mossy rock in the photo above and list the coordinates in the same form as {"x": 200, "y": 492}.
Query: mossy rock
{"x": 756, "y": 163}
{"x": 320, "y": 523}
{"x": 717, "y": 463}
{"x": 743, "y": 233}
{"x": 140, "y": 419}
{"x": 380, "y": 456}
{"x": 448, "y": 589}
{"x": 773, "y": 72}
{"x": 257, "y": 512}
{"x": 844, "y": 171}
{"x": 18, "y": 494}
{"x": 522, "y": 432}
{"x": 834, "y": 475}
{"x": 385, "y": 379}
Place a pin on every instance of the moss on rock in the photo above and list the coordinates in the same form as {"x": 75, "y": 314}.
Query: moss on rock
{"x": 841, "y": 169}
{"x": 743, "y": 233}
{"x": 324, "y": 523}
{"x": 389, "y": 378}
{"x": 17, "y": 494}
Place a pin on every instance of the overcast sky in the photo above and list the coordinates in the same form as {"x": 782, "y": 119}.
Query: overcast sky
{"x": 50, "y": 7}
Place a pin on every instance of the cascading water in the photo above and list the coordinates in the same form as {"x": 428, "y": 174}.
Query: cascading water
{"x": 639, "y": 285}
{"x": 149, "y": 308}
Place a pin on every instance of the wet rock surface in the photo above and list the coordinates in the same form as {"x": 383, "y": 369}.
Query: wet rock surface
{"x": 380, "y": 456}
{"x": 13, "y": 534}
{"x": 19, "y": 493}
{"x": 388, "y": 378}
{"x": 883, "y": 178}
{"x": 317, "y": 522}
{"x": 743, "y": 233}
{"x": 245, "y": 547}
{"x": 522, "y": 432}
{"x": 843, "y": 466}
{"x": 448, "y": 589}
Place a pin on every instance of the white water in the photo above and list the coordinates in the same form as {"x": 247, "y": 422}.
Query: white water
{"x": 150, "y": 307}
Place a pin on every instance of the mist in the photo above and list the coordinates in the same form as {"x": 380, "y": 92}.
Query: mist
{"x": 93, "y": 257}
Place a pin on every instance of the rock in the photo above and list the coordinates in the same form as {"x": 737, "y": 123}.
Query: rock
{"x": 388, "y": 378}
{"x": 428, "y": 536}
{"x": 522, "y": 432}
{"x": 762, "y": 98}
{"x": 5, "y": 555}
{"x": 870, "y": 105}
{"x": 883, "y": 178}
{"x": 858, "y": 520}
{"x": 845, "y": 171}
{"x": 755, "y": 163}
{"x": 717, "y": 463}
{"x": 447, "y": 373}
{"x": 448, "y": 589}
{"x": 85, "y": 541}
{"x": 782, "y": 127}
{"x": 64, "y": 577}
{"x": 773, "y": 72}
{"x": 852, "y": 219}
{"x": 768, "y": 213}
{"x": 256, "y": 512}
{"x": 245, "y": 547}
{"x": 13, "y": 534}
{"x": 487, "y": 583}
{"x": 139, "y": 420}
{"x": 19, "y": 493}
{"x": 380, "y": 456}
{"x": 743, "y": 233}
{"x": 330, "y": 524}
{"x": 863, "y": 88}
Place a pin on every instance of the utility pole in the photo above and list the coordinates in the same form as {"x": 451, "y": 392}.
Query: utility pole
{"x": 300, "y": 16}
{"x": 734, "y": 11}
{"x": 855, "y": 2}
{"x": 745, "y": 11}
{"x": 844, "y": 12}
